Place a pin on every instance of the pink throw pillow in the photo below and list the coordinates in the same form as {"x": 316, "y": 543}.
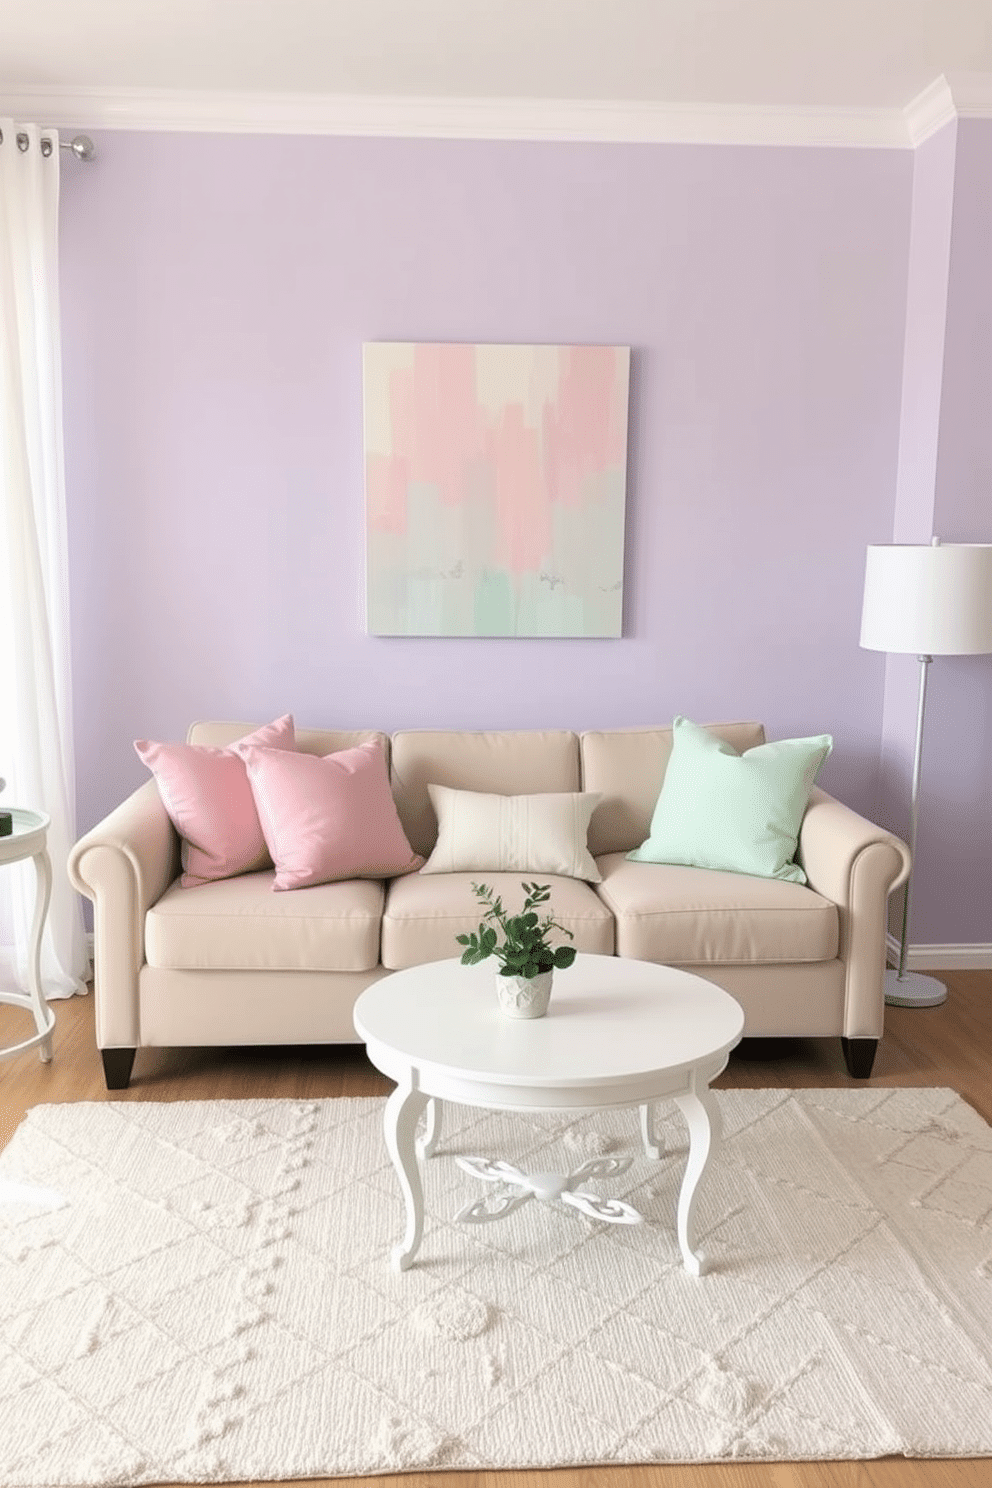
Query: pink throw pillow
{"x": 206, "y": 793}
{"x": 329, "y": 817}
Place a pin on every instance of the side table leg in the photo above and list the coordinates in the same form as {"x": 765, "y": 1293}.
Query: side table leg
{"x": 403, "y": 1111}
{"x": 702, "y": 1116}
{"x": 43, "y": 1016}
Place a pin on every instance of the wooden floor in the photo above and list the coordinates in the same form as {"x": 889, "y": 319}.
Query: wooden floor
{"x": 948, "y": 1045}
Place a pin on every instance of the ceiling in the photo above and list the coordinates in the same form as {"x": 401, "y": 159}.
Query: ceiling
{"x": 844, "y": 55}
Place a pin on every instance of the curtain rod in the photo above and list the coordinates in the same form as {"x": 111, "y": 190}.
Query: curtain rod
{"x": 81, "y": 145}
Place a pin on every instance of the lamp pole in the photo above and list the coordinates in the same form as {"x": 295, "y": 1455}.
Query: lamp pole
{"x": 914, "y": 810}
{"x": 902, "y": 988}
{"x": 905, "y": 989}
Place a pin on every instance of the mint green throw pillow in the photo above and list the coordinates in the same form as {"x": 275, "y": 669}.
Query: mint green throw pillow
{"x": 740, "y": 813}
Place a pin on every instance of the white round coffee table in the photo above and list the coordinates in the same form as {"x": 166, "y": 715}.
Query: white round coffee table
{"x": 28, "y": 841}
{"x": 618, "y": 1033}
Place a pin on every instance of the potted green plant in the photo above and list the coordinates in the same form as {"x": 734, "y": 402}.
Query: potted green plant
{"x": 526, "y": 958}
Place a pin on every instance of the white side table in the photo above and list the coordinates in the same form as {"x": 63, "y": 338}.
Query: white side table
{"x": 28, "y": 841}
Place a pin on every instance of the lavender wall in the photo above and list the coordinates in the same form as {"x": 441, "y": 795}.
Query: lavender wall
{"x": 216, "y": 292}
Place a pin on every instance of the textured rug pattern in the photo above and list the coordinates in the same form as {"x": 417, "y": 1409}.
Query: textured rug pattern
{"x": 201, "y": 1291}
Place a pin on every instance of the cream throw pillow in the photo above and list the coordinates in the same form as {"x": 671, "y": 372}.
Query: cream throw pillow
{"x": 479, "y": 833}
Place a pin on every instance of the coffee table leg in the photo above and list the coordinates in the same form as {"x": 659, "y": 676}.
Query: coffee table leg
{"x": 702, "y": 1116}
{"x": 403, "y": 1110}
{"x": 652, "y": 1147}
{"x": 427, "y": 1143}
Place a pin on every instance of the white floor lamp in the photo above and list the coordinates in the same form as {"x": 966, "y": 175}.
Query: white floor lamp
{"x": 934, "y": 601}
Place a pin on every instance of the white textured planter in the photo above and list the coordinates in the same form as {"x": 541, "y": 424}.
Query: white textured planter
{"x": 524, "y": 997}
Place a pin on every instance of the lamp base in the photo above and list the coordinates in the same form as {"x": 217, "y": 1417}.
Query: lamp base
{"x": 913, "y": 989}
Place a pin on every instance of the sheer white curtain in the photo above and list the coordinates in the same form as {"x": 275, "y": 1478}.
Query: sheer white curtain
{"x": 36, "y": 751}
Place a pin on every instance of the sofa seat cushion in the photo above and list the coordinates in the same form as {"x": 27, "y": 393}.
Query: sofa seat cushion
{"x": 694, "y": 916}
{"x": 239, "y": 924}
{"x": 424, "y": 913}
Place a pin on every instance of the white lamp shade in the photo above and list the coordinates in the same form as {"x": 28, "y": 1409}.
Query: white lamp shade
{"x": 931, "y": 601}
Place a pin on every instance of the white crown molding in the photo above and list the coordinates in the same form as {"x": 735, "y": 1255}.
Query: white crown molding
{"x": 972, "y": 94}
{"x": 941, "y": 957}
{"x": 959, "y": 95}
{"x": 930, "y": 111}
{"x": 457, "y": 118}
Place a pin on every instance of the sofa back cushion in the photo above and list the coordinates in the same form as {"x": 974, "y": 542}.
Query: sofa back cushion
{"x": 627, "y": 767}
{"x": 308, "y": 741}
{"x": 508, "y": 763}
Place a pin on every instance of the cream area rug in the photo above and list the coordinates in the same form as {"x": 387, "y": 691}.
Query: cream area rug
{"x": 201, "y": 1292}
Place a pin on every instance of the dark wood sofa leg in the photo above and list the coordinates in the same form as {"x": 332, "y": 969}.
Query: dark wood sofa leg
{"x": 859, "y": 1056}
{"x": 117, "y": 1066}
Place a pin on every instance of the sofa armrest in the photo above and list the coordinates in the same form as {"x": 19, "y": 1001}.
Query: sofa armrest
{"x": 856, "y": 864}
{"x": 124, "y": 864}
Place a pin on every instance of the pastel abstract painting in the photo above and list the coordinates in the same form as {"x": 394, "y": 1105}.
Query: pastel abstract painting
{"x": 495, "y": 483}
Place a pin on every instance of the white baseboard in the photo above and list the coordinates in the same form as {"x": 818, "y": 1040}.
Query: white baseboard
{"x": 942, "y": 957}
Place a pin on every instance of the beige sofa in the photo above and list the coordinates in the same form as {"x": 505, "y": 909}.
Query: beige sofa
{"x": 233, "y": 963}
